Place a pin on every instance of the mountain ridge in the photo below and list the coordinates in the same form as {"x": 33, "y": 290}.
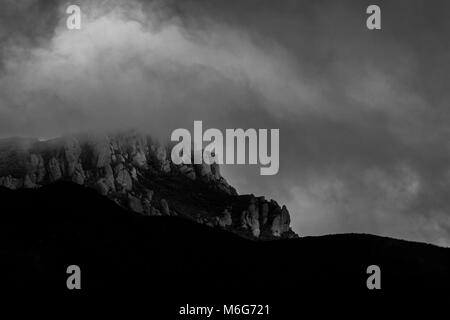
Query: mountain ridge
{"x": 135, "y": 171}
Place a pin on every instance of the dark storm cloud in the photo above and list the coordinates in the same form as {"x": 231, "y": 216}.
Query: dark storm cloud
{"x": 363, "y": 115}
{"x": 26, "y": 23}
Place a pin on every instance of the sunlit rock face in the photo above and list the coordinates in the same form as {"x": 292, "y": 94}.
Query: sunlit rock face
{"x": 137, "y": 173}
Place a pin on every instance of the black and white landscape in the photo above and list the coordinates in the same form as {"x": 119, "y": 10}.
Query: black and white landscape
{"x": 352, "y": 100}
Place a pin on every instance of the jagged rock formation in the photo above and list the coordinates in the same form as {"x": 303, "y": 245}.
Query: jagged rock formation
{"x": 136, "y": 172}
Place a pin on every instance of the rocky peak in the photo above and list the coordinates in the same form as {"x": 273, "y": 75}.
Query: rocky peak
{"x": 135, "y": 172}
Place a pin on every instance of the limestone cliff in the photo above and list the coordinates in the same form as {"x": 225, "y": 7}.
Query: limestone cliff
{"x": 136, "y": 172}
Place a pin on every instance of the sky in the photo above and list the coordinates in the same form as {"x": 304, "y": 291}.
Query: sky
{"x": 363, "y": 114}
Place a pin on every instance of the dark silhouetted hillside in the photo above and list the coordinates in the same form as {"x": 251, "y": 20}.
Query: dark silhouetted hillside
{"x": 175, "y": 260}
